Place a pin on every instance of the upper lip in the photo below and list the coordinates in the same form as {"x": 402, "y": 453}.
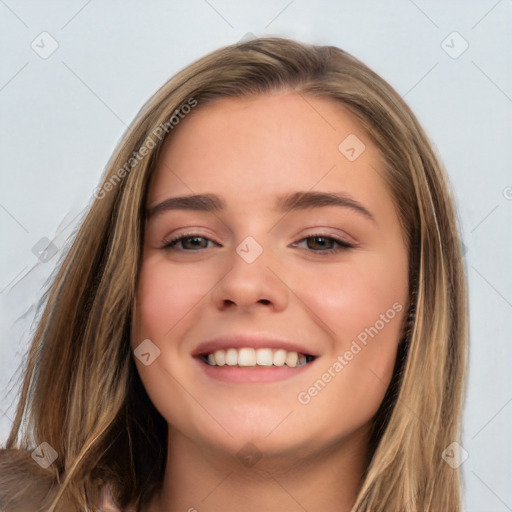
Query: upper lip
{"x": 250, "y": 340}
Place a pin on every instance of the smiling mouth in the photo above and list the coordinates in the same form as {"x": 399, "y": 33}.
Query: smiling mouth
{"x": 247, "y": 357}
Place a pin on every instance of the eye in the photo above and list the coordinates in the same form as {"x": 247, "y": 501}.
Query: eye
{"x": 324, "y": 244}
{"x": 317, "y": 243}
{"x": 189, "y": 242}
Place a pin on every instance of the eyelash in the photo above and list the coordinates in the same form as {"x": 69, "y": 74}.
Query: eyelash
{"x": 342, "y": 245}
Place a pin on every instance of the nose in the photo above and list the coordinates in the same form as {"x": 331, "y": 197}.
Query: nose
{"x": 251, "y": 284}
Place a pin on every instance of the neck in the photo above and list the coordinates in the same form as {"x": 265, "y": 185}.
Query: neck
{"x": 198, "y": 478}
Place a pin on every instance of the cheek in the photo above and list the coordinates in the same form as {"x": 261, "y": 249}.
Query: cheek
{"x": 357, "y": 300}
{"x": 164, "y": 297}
{"x": 363, "y": 308}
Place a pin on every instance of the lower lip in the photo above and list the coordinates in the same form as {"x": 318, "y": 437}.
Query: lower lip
{"x": 253, "y": 374}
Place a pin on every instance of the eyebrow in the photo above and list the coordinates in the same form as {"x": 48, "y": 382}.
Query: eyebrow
{"x": 285, "y": 203}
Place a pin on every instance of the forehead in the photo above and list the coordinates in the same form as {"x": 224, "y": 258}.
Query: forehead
{"x": 266, "y": 145}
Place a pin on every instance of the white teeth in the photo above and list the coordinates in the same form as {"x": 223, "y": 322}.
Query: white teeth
{"x": 220, "y": 357}
{"x": 292, "y": 358}
{"x": 247, "y": 357}
{"x": 231, "y": 357}
{"x": 264, "y": 356}
{"x": 256, "y": 357}
{"x": 279, "y": 357}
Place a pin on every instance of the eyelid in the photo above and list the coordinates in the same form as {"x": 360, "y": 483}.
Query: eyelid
{"x": 189, "y": 231}
{"x": 336, "y": 238}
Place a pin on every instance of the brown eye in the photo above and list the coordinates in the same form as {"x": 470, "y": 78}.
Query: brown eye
{"x": 320, "y": 242}
{"x": 188, "y": 243}
{"x": 324, "y": 244}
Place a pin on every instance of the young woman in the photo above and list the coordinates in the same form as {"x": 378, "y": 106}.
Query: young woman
{"x": 264, "y": 309}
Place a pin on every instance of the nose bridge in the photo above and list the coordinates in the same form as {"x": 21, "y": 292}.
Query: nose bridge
{"x": 249, "y": 250}
{"x": 250, "y": 280}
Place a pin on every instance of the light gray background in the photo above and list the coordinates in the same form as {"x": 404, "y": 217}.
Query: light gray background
{"x": 61, "y": 117}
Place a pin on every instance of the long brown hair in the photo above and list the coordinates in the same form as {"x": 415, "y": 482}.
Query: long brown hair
{"x": 81, "y": 392}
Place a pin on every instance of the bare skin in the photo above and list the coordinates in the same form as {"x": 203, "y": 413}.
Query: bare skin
{"x": 251, "y": 444}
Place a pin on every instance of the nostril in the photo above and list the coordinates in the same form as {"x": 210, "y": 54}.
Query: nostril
{"x": 265, "y": 301}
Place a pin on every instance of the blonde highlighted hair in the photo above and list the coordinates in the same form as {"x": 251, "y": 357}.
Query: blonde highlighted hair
{"x": 81, "y": 392}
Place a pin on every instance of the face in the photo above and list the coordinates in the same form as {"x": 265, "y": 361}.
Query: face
{"x": 273, "y": 306}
